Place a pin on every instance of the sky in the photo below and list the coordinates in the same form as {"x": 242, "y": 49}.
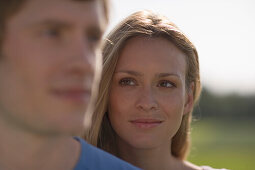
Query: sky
{"x": 223, "y": 32}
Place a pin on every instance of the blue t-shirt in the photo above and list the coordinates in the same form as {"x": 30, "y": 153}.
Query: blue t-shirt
{"x": 92, "y": 158}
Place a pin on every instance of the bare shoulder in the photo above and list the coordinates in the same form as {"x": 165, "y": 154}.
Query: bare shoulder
{"x": 210, "y": 168}
{"x": 185, "y": 165}
{"x": 191, "y": 166}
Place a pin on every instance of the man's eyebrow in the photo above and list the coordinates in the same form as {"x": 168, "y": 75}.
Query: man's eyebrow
{"x": 84, "y": 0}
{"x": 51, "y": 22}
{"x": 94, "y": 29}
{"x": 134, "y": 73}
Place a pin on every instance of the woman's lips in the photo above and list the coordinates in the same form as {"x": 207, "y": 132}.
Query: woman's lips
{"x": 146, "y": 123}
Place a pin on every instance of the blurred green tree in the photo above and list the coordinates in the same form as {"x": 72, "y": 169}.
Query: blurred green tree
{"x": 230, "y": 106}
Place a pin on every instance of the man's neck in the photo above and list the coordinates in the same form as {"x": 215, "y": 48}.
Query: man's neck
{"x": 24, "y": 150}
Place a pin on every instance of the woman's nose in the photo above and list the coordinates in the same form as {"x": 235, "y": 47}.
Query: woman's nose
{"x": 147, "y": 101}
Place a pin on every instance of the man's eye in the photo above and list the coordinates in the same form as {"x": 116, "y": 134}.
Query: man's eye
{"x": 127, "y": 82}
{"x": 94, "y": 38}
{"x": 94, "y": 35}
{"x": 52, "y": 32}
{"x": 166, "y": 84}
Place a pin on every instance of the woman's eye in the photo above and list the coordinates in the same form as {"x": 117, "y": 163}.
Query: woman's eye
{"x": 166, "y": 84}
{"x": 127, "y": 82}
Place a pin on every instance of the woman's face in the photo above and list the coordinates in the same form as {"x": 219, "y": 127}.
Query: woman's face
{"x": 148, "y": 96}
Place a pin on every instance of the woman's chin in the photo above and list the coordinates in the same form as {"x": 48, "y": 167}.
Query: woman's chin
{"x": 144, "y": 144}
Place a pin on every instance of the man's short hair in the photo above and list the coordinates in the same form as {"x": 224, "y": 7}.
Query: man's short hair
{"x": 10, "y": 7}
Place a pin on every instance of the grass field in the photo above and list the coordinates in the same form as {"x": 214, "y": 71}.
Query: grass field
{"x": 223, "y": 144}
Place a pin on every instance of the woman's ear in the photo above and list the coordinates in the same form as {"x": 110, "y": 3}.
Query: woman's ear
{"x": 189, "y": 99}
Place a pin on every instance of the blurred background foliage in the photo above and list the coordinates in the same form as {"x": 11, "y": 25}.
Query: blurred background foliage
{"x": 223, "y": 131}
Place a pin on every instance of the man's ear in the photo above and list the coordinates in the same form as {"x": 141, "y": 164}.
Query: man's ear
{"x": 189, "y": 99}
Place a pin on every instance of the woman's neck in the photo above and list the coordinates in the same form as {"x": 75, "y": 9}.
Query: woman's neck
{"x": 153, "y": 158}
{"x": 147, "y": 158}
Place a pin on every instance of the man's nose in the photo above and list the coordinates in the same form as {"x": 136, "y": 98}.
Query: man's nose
{"x": 82, "y": 58}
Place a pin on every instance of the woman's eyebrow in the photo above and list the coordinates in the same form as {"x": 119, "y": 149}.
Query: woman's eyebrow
{"x": 134, "y": 73}
{"x": 161, "y": 75}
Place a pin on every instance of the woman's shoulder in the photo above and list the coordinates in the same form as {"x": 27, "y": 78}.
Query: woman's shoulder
{"x": 210, "y": 168}
{"x": 192, "y": 166}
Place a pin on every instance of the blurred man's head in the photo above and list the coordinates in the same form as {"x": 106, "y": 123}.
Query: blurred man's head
{"x": 47, "y": 62}
{"x": 11, "y": 7}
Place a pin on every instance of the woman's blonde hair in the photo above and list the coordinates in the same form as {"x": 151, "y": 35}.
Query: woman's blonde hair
{"x": 147, "y": 24}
